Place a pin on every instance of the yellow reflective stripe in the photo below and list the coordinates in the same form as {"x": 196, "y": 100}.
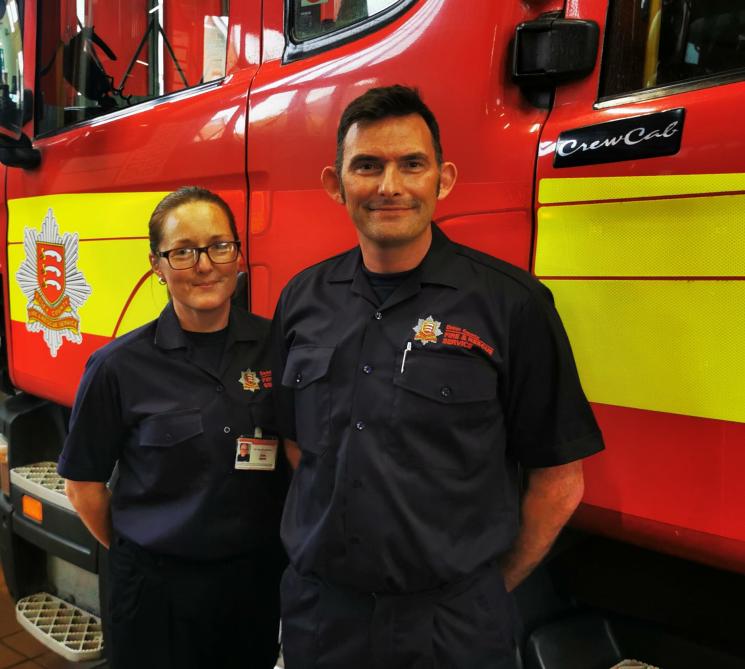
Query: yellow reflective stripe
{"x": 648, "y": 340}
{"x": 112, "y": 268}
{"x": 551, "y": 191}
{"x": 701, "y": 236}
{"x": 91, "y": 215}
{"x": 112, "y": 254}
{"x": 671, "y": 346}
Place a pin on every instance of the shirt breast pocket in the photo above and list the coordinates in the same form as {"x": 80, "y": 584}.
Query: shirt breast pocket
{"x": 170, "y": 453}
{"x": 446, "y": 414}
{"x": 307, "y": 373}
{"x": 168, "y": 429}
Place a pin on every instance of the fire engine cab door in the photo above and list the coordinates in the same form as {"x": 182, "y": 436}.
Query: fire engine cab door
{"x": 640, "y": 236}
{"x": 133, "y": 99}
{"x": 321, "y": 54}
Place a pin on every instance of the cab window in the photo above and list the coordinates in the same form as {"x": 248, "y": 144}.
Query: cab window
{"x": 654, "y": 43}
{"x": 99, "y": 56}
{"x": 313, "y": 18}
{"x": 11, "y": 68}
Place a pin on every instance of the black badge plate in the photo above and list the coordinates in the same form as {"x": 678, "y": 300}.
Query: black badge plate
{"x": 646, "y": 136}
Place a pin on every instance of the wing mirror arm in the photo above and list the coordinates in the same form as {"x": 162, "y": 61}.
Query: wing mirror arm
{"x": 19, "y": 153}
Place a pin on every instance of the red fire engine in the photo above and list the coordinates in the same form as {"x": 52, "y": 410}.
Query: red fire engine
{"x": 599, "y": 144}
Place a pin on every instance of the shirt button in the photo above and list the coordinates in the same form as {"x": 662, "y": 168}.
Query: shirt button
{"x": 219, "y": 389}
{"x": 445, "y": 391}
{"x": 226, "y": 430}
{"x": 354, "y": 541}
{"x": 360, "y": 425}
{"x": 357, "y": 483}
{"x": 378, "y": 315}
{"x": 367, "y": 369}
{"x": 299, "y": 377}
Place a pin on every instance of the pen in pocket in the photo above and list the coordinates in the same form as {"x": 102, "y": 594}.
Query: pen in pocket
{"x": 406, "y": 351}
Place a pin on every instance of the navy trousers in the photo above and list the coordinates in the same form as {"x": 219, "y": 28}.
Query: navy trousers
{"x": 468, "y": 625}
{"x": 171, "y": 613}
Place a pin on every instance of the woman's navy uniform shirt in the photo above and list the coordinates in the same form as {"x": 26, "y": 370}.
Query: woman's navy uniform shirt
{"x": 413, "y": 416}
{"x": 171, "y": 421}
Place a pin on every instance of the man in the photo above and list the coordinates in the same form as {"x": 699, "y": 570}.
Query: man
{"x": 416, "y": 377}
{"x": 243, "y": 455}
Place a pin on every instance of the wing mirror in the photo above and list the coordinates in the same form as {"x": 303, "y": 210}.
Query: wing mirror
{"x": 552, "y": 50}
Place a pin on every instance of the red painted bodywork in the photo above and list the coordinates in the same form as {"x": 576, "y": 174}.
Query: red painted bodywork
{"x": 185, "y": 138}
{"x": 262, "y": 136}
{"x": 669, "y": 482}
{"x": 665, "y": 481}
{"x": 488, "y": 130}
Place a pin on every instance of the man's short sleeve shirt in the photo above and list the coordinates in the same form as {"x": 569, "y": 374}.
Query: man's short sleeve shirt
{"x": 414, "y": 415}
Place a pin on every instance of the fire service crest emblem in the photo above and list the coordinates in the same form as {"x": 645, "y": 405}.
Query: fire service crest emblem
{"x": 52, "y": 284}
{"x": 250, "y": 380}
{"x": 427, "y": 330}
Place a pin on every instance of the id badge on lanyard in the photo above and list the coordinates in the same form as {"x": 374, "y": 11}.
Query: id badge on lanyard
{"x": 256, "y": 453}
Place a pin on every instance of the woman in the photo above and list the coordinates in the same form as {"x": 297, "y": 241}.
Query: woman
{"x": 192, "y": 532}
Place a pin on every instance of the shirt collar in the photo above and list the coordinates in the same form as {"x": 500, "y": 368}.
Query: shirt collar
{"x": 441, "y": 264}
{"x": 170, "y": 335}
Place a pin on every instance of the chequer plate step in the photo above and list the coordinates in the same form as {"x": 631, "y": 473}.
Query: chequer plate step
{"x": 42, "y": 481}
{"x": 65, "y": 628}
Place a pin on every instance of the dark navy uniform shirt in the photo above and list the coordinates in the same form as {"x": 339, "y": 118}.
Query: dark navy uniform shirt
{"x": 150, "y": 402}
{"x": 413, "y": 415}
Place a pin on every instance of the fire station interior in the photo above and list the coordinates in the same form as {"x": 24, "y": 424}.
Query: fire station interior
{"x": 595, "y": 602}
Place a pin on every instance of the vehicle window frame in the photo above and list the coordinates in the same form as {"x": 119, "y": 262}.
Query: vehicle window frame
{"x": 136, "y": 108}
{"x": 662, "y": 90}
{"x": 296, "y": 50}
{"x": 665, "y": 90}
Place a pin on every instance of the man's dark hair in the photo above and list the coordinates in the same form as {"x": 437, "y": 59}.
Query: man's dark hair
{"x": 384, "y": 102}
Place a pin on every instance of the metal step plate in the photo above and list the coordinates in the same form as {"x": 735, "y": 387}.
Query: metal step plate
{"x": 66, "y": 629}
{"x": 633, "y": 664}
{"x": 43, "y": 482}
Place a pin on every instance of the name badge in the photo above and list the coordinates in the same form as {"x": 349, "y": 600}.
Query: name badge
{"x": 255, "y": 453}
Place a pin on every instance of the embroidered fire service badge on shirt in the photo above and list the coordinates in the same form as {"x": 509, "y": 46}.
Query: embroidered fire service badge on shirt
{"x": 254, "y": 381}
{"x": 50, "y": 280}
{"x": 250, "y": 380}
{"x": 427, "y": 330}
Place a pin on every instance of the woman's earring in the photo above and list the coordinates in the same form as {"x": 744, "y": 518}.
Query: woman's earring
{"x": 161, "y": 281}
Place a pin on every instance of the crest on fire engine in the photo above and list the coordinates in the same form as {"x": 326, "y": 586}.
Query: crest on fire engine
{"x": 427, "y": 330}
{"x": 52, "y": 284}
